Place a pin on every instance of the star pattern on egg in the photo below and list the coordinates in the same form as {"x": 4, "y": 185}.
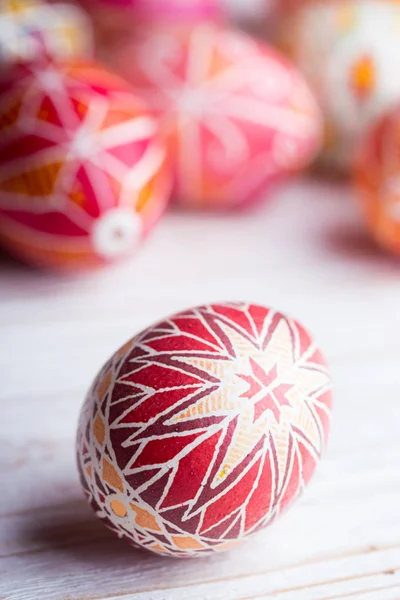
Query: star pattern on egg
{"x": 261, "y": 381}
{"x": 216, "y": 419}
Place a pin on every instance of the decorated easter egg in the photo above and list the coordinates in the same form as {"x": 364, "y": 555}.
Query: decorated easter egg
{"x": 204, "y": 428}
{"x": 31, "y": 28}
{"x": 83, "y": 173}
{"x": 377, "y": 177}
{"x": 350, "y": 54}
{"x": 236, "y": 115}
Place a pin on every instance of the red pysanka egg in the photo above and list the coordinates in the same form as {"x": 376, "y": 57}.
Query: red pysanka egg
{"x": 204, "y": 428}
{"x": 83, "y": 173}
{"x": 377, "y": 179}
{"x": 236, "y": 114}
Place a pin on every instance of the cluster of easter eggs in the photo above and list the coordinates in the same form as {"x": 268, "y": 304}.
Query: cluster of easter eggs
{"x": 203, "y": 114}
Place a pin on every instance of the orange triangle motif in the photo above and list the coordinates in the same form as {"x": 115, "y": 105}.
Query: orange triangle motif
{"x": 111, "y": 476}
{"x": 116, "y": 117}
{"x": 81, "y": 108}
{"x": 187, "y": 543}
{"x": 104, "y": 384}
{"x": 38, "y": 182}
{"x": 10, "y": 116}
{"x": 77, "y": 196}
{"x": 145, "y": 195}
{"x": 145, "y": 519}
{"x": 99, "y": 430}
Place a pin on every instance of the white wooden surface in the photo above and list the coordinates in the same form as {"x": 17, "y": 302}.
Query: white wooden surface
{"x": 303, "y": 253}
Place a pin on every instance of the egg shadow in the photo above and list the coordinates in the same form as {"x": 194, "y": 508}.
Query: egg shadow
{"x": 75, "y": 533}
{"x": 352, "y": 242}
{"x": 10, "y": 263}
{"x": 74, "y": 537}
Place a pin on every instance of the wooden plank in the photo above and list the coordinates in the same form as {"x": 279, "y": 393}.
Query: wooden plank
{"x": 304, "y": 254}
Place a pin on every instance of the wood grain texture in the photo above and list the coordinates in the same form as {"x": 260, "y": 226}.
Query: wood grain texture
{"x": 303, "y": 253}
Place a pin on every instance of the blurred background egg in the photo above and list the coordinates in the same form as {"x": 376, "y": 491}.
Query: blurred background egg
{"x": 378, "y": 181}
{"x": 82, "y": 167}
{"x": 30, "y": 29}
{"x": 204, "y": 428}
{"x": 350, "y": 53}
{"x": 236, "y": 114}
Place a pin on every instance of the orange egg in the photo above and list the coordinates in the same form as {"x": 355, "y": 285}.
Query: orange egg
{"x": 377, "y": 177}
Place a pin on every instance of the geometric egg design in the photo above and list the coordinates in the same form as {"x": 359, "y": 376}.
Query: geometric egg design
{"x": 83, "y": 175}
{"x": 237, "y": 116}
{"x": 204, "y": 428}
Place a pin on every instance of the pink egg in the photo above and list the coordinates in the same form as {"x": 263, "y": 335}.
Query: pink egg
{"x": 236, "y": 114}
{"x": 83, "y": 174}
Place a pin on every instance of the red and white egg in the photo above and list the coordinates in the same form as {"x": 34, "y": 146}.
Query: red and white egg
{"x": 237, "y": 116}
{"x": 204, "y": 428}
{"x": 83, "y": 175}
